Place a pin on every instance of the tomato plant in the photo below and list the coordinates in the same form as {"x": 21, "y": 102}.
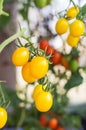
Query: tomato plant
{"x": 39, "y": 66}
{"x": 53, "y": 123}
{"x": 61, "y": 26}
{"x": 72, "y": 12}
{"x": 20, "y": 56}
{"x": 44, "y": 101}
{"x": 26, "y": 74}
{"x": 55, "y": 58}
{"x": 3, "y": 117}
{"x": 77, "y": 28}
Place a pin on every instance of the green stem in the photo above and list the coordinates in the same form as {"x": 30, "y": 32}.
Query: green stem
{"x": 73, "y": 3}
{"x": 21, "y": 120}
{"x": 12, "y": 38}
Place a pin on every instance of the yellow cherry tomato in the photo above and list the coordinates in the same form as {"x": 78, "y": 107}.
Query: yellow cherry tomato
{"x": 26, "y": 73}
{"x": 44, "y": 101}
{"x": 72, "y": 12}
{"x": 39, "y": 67}
{"x": 77, "y": 28}
{"x": 20, "y": 56}
{"x": 3, "y": 117}
{"x": 38, "y": 88}
{"x": 61, "y": 26}
{"x": 72, "y": 41}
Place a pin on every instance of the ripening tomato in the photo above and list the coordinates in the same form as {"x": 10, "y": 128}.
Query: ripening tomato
{"x": 72, "y": 41}
{"x": 44, "y": 101}
{"x": 43, "y": 120}
{"x": 38, "y": 88}
{"x": 3, "y": 117}
{"x": 64, "y": 62}
{"x": 43, "y": 44}
{"x": 50, "y": 50}
{"x": 39, "y": 66}
{"x": 55, "y": 58}
{"x": 26, "y": 74}
{"x": 40, "y": 3}
{"x": 61, "y": 26}
{"x": 77, "y": 28}
{"x": 72, "y": 12}
{"x": 53, "y": 123}
{"x": 20, "y": 56}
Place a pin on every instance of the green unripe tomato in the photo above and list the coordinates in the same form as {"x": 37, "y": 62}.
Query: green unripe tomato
{"x": 40, "y": 3}
{"x": 74, "y": 65}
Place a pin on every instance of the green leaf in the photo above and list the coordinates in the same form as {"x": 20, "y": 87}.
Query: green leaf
{"x": 83, "y": 9}
{"x": 74, "y": 81}
{"x": 4, "y": 21}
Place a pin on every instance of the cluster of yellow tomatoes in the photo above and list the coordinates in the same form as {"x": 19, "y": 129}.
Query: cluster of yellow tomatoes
{"x": 3, "y": 117}
{"x": 76, "y": 28}
{"x": 32, "y": 70}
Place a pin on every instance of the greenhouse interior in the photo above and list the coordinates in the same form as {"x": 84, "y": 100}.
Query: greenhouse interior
{"x": 42, "y": 65}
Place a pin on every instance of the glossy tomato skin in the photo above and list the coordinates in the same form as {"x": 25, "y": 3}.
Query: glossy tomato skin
{"x": 44, "y": 101}
{"x": 72, "y": 41}
{"x": 55, "y": 58}
{"x": 50, "y": 50}
{"x": 53, "y": 123}
{"x": 26, "y": 74}
{"x": 43, "y": 120}
{"x": 39, "y": 67}
{"x": 61, "y": 26}
{"x": 72, "y": 12}
{"x": 20, "y": 56}
{"x": 37, "y": 90}
{"x": 43, "y": 44}
{"x": 3, "y": 117}
{"x": 77, "y": 28}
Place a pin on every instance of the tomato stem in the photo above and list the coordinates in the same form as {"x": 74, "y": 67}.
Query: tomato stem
{"x": 12, "y": 38}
